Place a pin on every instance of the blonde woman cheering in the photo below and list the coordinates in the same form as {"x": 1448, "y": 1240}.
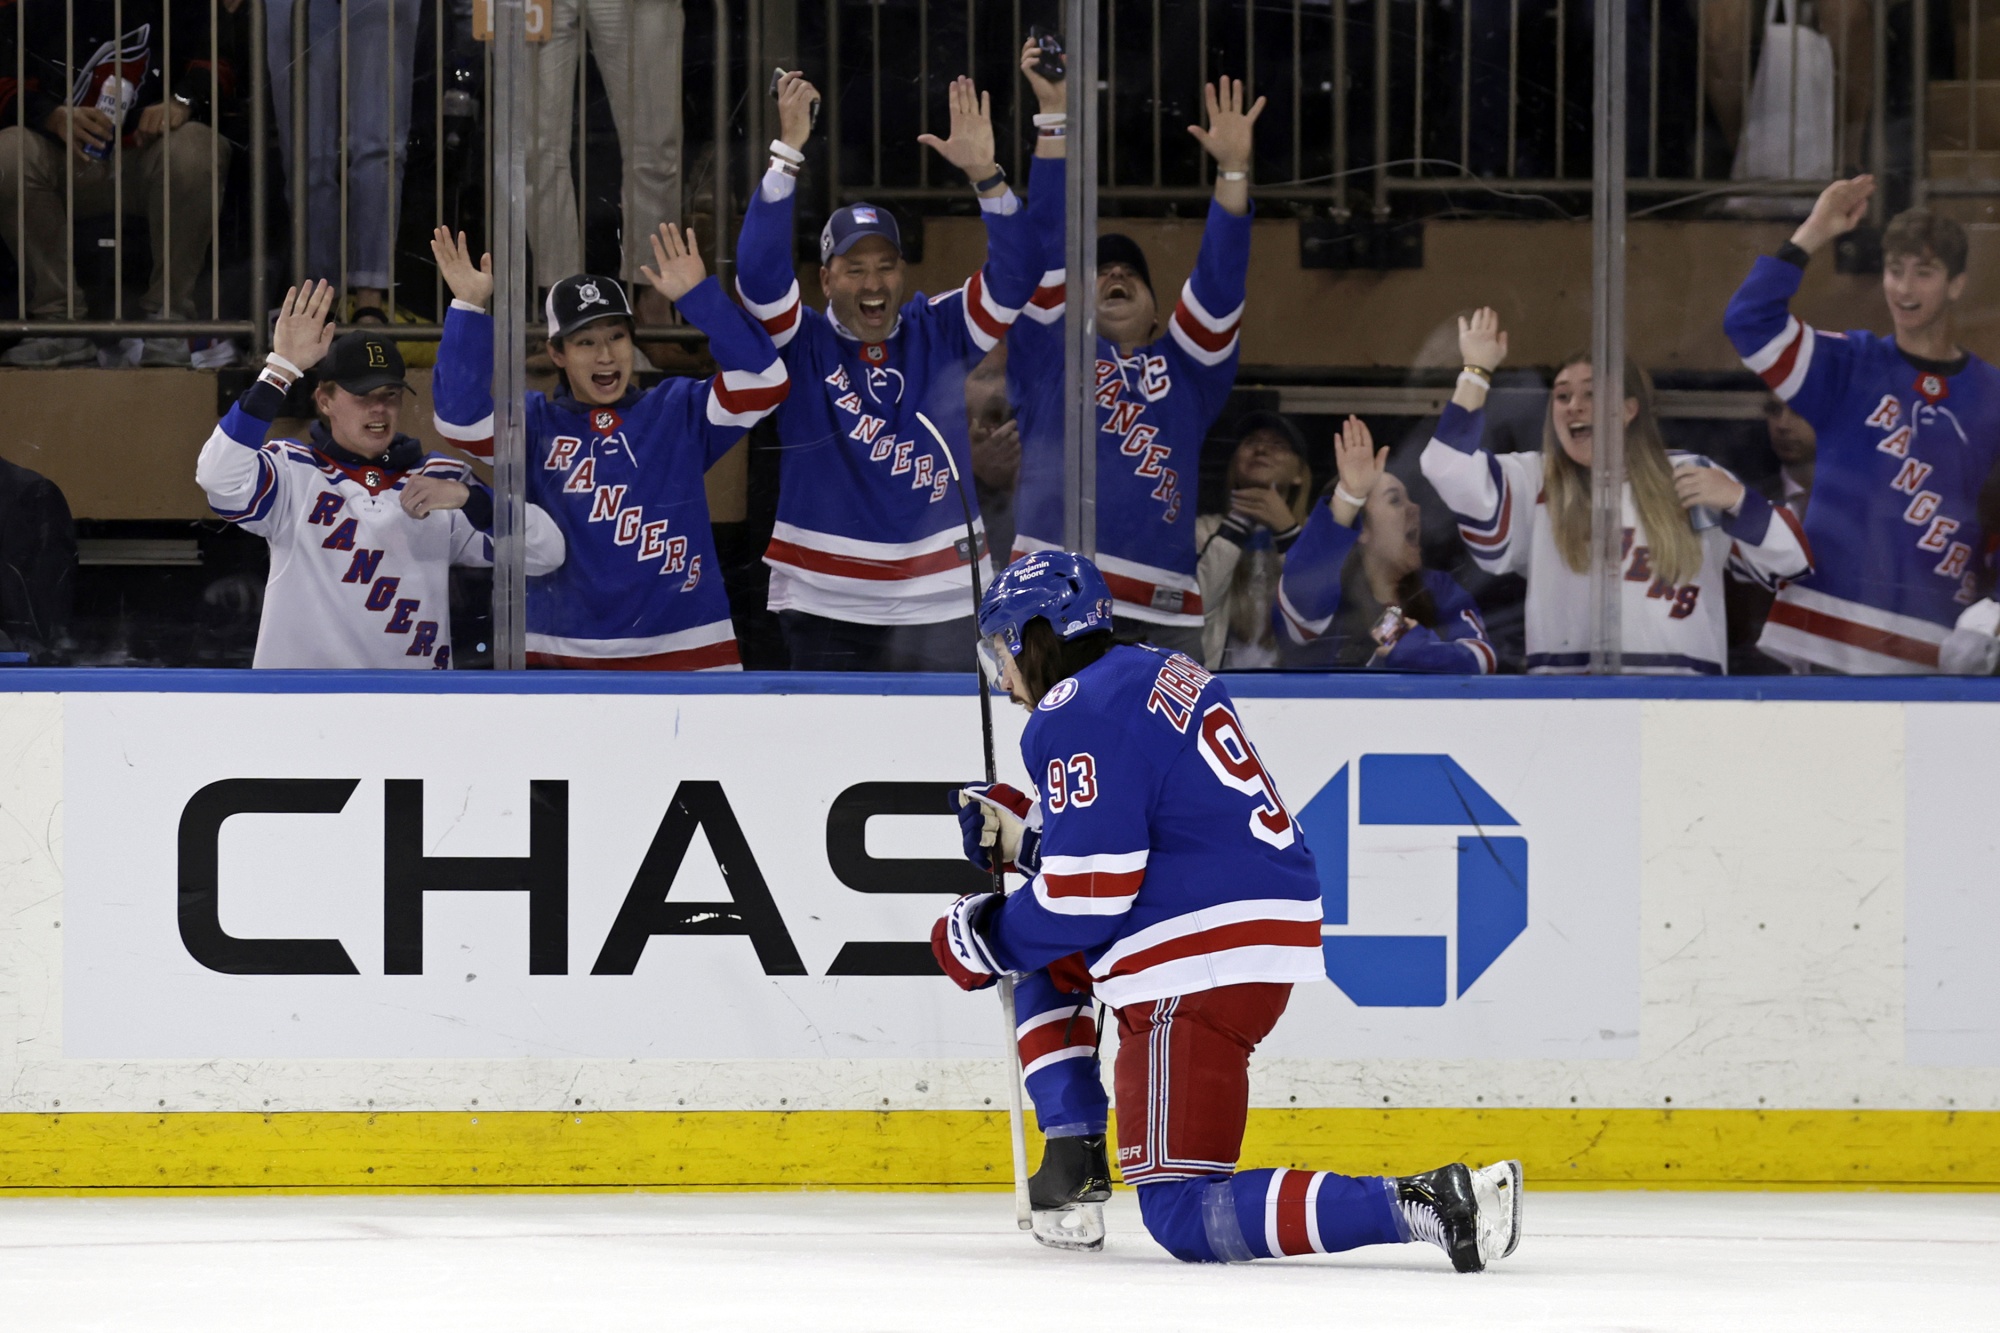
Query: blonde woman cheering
{"x": 1686, "y": 521}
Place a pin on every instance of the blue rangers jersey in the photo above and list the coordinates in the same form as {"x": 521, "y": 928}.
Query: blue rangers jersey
{"x": 1168, "y": 858}
{"x": 1154, "y": 409}
{"x": 1903, "y": 448}
{"x": 1664, "y": 628}
{"x": 641, "y": 589}
{"x": 1309, "y": 598}
{"x": 868, "y": 530}
{"x": 355, "y": 580}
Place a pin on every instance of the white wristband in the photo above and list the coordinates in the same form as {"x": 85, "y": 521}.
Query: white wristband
{"x": 1044, "y": 119}
{"x": 1467, "y": 377}
{"x": 1232, "y": 175}
{"x": 779, "y": 148}
{"x": 1340, "y": 493}
{"x": 278, "y": 363}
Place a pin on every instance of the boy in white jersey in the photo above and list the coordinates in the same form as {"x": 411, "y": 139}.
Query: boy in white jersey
{"x": 363, "y": 524}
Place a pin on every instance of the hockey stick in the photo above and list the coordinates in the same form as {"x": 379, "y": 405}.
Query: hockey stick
{"x": 1016, "y": 1116}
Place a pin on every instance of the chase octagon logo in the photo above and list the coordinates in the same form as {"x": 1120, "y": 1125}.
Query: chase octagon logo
{"x": 1431, "y": 790}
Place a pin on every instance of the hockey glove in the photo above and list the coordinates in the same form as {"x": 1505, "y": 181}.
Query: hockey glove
{"x": 958, "y": 947}
{"x": 1001, "y": 816}
{"x": 1968, "y": 652}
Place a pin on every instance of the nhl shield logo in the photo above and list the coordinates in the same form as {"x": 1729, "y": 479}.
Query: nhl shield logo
{"x": 372, "y": 479}
{"x": 604, "y": 421}
{"x": 1933, "y": 387}
{"x": 874, "y": 354}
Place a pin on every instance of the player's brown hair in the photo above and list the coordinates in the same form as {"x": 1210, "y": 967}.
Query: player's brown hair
{"x": 1918, "y": 233}
{"x": 1046, "y": 658}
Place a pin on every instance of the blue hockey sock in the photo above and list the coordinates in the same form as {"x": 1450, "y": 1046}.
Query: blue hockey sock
{"x": 1266, "y": 1213}
{"x": 1057, "y": 1032}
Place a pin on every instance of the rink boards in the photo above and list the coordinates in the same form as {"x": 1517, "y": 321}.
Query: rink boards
{"x": 350, "y": 931}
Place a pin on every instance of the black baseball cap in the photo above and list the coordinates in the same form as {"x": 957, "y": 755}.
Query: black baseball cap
{"x": 584, "y": 299}
{"x": 850, "y": 225}
{"x": 362, "y": 362}
{"x": 1275, "y": 423}
{"x": 1116, "y": 247}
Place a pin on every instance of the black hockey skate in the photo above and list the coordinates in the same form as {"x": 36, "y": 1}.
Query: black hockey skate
{"x": 1068, "y": 1192}
{"x": 1473, "y": 1216}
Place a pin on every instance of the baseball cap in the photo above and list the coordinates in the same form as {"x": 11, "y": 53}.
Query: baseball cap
{"x": 1276, "y": 423}
{"x": 584, "y": 299}
{"x": 849, "y": 225}
{"x": 1117, "y": 248}
{"x": 362, "y": 362}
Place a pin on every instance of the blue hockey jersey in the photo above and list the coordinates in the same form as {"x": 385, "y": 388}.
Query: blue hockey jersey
{"x": 1168, "y": 857}
{"x": 1154, "y": 409}
{"x": 1904, "y": 446}
{"x": 641, "y": 588}
{"x": 1309, "y": 596}
{"x": 868, "y": 530}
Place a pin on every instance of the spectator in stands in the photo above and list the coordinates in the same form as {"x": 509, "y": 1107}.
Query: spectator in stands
{"x": 1159, "y": 391}
{"x": 1355, "y": 592}
{"x": 619, "y": 468}
{"x": 1793, "y": 441}
{"x": 156, "y": 143}
{"x": 869, "y": 557}
{"x": 366, "y": 105}
{"x": 1242, "y": 552}
{"x": 995, "y": 446}
{"x": 363, "y": 524}
{"x": 37, "y": 565}
{"x": 636, "y": 46}
{"x": 1530, "y": 513}
{"x": 1908, "y": 429}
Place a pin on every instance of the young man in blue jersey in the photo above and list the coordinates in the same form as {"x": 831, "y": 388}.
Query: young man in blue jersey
{"x": 620, "y": 468}
{"x": 1165, "y": 877}
{"x": 1157, "y": 395}
{"x": 869, "y": 564}
{"x": 1908, "y": 429}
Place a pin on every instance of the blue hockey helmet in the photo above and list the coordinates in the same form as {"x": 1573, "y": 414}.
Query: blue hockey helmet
{"x": 1060, "y": 587}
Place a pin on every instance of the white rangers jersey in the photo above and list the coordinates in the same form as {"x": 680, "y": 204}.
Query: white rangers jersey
{"x": 1665, "y": 629}
{"x": 355, "y": 581}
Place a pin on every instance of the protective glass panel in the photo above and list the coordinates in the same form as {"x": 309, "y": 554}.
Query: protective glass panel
{"x": 1414, "y": 162}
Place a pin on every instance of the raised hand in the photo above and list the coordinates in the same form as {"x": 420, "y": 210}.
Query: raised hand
{"x": 970, "y": 147}
{"x": 1360, "y": 465}
{"x": 1049, "y": 94}
{"x": 795, "y": 103}
{"x": 1481, "y": 340}
{"x": 1838, "y": 210}
{"x": 677, "y": 268}
{"x": 1228, "y": 135}
{"x": 303, "y": 333}
{"x": 469, "y": 282}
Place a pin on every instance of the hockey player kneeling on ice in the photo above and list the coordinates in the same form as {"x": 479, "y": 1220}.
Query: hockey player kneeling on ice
{"x": 1166, "y": 878}
{"x": 363, "y": 524}
{"x": 618, "y": 467}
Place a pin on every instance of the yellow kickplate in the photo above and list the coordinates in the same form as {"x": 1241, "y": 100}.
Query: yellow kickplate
{"x": 1575, "y": 1148}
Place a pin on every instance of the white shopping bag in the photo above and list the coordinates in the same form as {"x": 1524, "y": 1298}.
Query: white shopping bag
{"x": 1793, "y": 91}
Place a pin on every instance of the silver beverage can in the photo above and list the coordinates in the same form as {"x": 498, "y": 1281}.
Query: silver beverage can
{"x": 114, "y": 99}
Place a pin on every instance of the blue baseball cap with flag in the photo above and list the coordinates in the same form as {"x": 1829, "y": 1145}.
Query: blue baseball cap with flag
{"x": 849, "y": 225}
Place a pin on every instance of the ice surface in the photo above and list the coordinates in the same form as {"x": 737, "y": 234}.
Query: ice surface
{"x": 591, "y": 1263}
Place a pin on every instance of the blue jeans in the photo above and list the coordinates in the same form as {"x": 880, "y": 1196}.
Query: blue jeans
{"x": 377, "y": 126}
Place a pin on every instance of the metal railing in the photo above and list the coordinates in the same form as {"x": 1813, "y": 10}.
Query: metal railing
{"x": 163, "y": 51}
{"x": 1372, "y": 102}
